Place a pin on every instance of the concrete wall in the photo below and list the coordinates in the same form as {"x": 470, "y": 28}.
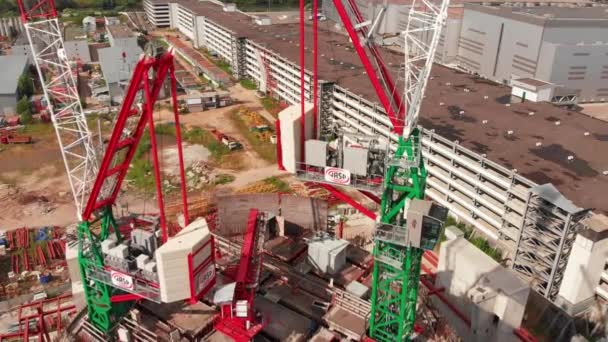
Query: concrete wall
{"x": 447, "y": 49}
{"x": 498, "y": 48}
{"x": 583, "y": 67}
{"x": 8, "y": 104}
{"x": 290, "y": 119}
{"x": 78, "y": 49}
{"x": 483, "y": 290}
{"x": 583, "y": 273}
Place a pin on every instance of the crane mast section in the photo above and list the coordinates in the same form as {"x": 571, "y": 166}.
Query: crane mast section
{"x": 421, "y": 37}
{"x": 64, "y": 106}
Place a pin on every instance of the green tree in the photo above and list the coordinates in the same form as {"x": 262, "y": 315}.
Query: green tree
{"x": 24, "y": 110}
{"x": 25, "y": 86}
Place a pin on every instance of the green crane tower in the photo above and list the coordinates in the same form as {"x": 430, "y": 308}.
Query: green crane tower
{"x": 396, "y": 270}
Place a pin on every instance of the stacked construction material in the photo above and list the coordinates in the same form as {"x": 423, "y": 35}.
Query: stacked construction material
{"x": 185, "y": 263}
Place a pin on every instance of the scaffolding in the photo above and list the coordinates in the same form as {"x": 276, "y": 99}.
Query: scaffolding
{"x": 546, "y": 238}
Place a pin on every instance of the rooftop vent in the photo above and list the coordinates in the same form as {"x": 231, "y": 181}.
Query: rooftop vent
{"x": 229, "y": 7}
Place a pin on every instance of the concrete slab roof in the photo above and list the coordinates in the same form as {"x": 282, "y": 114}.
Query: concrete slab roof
{"x": 120, "y": 31}
{"x": 74, "y": 33}
{"x": 488, "y": 117}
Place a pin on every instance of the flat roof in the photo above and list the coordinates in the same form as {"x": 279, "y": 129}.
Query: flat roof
{"x": 556, "y": 12}
{"x": 120, "y": 31}
{"x": 577, "y": 16}
{"x": 74, "y": 33}
{"x": 532, "y": 82}
{"x": 595, "y": 227}
{"x": 583, "y": 137}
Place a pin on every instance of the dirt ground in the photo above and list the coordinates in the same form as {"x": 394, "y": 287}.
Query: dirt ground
{"x": 34, "y": 190}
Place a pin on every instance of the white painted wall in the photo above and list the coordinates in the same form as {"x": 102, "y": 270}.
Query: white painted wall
{"x": 290, "y": 119}
{"x": 465, "y": 271}
{"x": 584, "y": 269}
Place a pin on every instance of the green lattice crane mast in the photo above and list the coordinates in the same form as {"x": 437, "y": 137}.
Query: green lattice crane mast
{"x": 397, "y": 252}
{"x": 406, "y": 225}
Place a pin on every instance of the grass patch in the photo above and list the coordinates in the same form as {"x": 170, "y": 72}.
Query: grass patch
{"x": 477, "y": 241}
{"x": 278, "y": 183}
{"x": 271, "y": 105}
{"x": 140, "y": 172}
{"x": 248, "y": 83}
{"x": 199, "y": 136}
{"x": 265, "y": 149}
{"x": 222, "y": 64}
{"x": 38, "y": 129}
{"x": 224, "y": 179}
{"x": 220, "y": 154}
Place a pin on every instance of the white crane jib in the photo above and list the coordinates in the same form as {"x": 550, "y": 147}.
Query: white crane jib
{"x": 61, "y": 92}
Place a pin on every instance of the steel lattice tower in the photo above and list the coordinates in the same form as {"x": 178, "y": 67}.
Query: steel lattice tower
{"x": 61, "y": 92}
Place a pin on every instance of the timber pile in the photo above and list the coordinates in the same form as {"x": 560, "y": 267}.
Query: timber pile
{"x": 197, "y": 207}
{"x": 257, "y": 188}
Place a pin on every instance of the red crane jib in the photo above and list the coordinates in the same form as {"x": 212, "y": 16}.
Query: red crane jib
{"x": 242, "y": 329}
{"x": 110, "y": 169}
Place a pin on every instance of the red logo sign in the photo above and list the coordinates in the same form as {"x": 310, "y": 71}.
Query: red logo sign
{"x": 337, "y": 175}
{"x": 122, "y": 280}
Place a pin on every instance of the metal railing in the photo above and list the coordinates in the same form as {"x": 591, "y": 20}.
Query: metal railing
{"x": 141, "y": 287}
{"x": 391, "y": 233}
{"x": 312, "y": 173}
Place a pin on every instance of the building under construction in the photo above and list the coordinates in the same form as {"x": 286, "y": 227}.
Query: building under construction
{"x": 275, "y": 266}
{"x": 467, "y": 124}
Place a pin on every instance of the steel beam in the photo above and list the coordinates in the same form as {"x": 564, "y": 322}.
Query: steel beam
{"x": 346, "y": 198}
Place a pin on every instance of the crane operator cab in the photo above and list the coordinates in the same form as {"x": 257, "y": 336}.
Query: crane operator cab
{"x": 349, "y": 159}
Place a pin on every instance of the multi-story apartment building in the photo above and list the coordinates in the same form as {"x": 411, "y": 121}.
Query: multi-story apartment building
{"x": 157, "y": 12}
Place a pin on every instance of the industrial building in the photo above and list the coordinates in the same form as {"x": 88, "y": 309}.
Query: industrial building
{"x": 157, "y": 12}
{"x": 563, "y": 46}
{"x": 118, "y": 60}
{"x": 470, "y": 170}
{"x": 560, "y": 42}
{"x": 12, "y": 67}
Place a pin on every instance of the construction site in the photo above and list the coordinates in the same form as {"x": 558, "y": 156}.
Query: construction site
{"x": 280, "y": 176}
